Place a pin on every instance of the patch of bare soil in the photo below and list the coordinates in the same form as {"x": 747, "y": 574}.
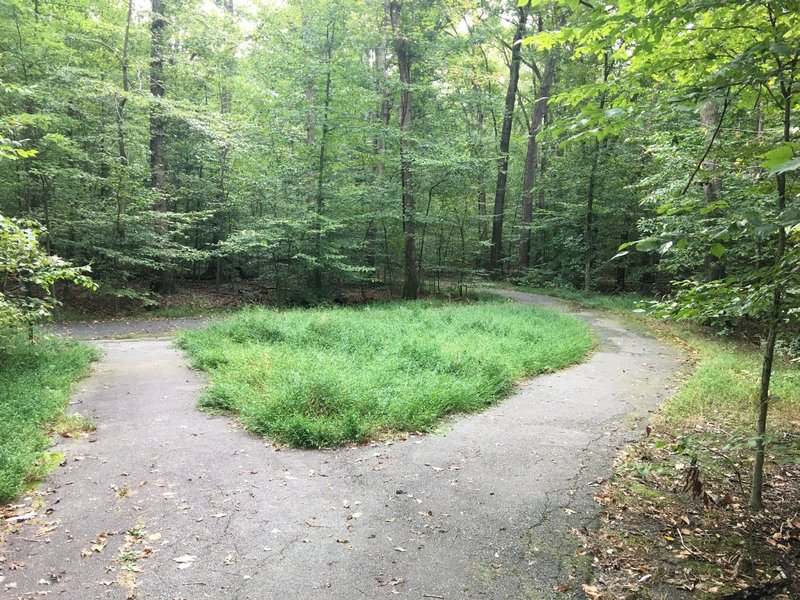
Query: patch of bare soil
{"x": 676, "y": 522}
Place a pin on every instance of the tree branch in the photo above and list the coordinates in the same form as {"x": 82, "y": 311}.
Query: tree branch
{"x": 532, "y": 66}
{"x": 710, "y": 144}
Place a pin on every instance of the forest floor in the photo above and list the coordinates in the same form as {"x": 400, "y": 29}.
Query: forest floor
{"x": 163, "y": 501}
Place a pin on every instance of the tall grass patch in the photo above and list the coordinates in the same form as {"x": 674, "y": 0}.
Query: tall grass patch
{"x": 317, "y": 378}
{"x": 35, "y": 383}
{"x": 725, "y": 383}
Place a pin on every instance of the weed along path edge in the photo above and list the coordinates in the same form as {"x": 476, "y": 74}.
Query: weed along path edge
{"x": 165, "y": 502}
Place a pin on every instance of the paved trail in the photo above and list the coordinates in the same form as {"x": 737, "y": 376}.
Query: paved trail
{"x": 484, "y": 510}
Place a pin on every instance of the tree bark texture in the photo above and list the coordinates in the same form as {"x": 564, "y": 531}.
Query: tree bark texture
{"x": 588, "y": 232}
{"x": 158, "y": 163}
{"x": 323, "y": 146}
{"x": 532, "y": 160}
{"x": 776, "y": 311}
{"x": 505, "y": 141}
{"x": 712, "y": 186}
{"x": 402, "y": 48}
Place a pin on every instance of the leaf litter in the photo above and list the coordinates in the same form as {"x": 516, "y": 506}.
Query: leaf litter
{"x": 675, "y": 523}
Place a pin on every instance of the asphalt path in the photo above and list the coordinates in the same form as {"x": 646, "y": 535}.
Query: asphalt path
{"x": 166, "y": 502}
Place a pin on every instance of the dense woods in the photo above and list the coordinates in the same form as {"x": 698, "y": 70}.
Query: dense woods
{"x": 308, "y": 145}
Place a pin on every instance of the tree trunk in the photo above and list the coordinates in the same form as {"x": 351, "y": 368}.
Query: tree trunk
{"x": 120, "y": 120}
{"x": 120, "y": 102}
{"x": 403, "y": 51}
{"x": 532, "y": 161}
{"x": 481, "y": 123}
{"x": 776, "y": 310}
{"x": 505, "y": 141}
{"x": 709, "y": 119}
{"x": 158, "y": 167}
{"x": 588, "y": 232}
{"x": 225, "y": 102}
{"x": 379, "y": 141}
{"x": 320, "y": 198}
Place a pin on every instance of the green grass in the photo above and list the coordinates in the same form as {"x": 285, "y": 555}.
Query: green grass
{"x": 35, "y": 384}
{"x": 724, "y": 386}
{"x": 323, "y": 377}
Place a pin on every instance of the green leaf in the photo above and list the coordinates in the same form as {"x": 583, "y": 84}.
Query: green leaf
{"x": 648, "y": 244}
{"x": 717, "y": 250}
{"x": 789, "y": 165}
{"x": 777, "y": 156}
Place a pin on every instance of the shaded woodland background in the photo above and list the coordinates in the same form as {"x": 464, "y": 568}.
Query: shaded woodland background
{"x": 308, "y": 145}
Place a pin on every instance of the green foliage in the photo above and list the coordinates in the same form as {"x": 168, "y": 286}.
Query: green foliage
{"x": 723, "y": 387}
{"x": 325, "y": 377}
{"x": 27, "y": 274}
{"x": 35, "y": 383}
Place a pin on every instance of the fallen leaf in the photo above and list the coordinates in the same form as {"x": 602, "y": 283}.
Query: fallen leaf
{"x": 591, "y": 591}
{"x": 47, "y": 528}
{"x": 185, "y": 561}
{"x": 20, "y": 518}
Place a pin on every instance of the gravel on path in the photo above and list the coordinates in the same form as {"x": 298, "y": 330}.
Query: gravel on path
{"x": 488, "y": 508}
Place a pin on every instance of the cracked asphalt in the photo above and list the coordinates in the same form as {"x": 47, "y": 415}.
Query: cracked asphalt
{"x": 488, "y": 508}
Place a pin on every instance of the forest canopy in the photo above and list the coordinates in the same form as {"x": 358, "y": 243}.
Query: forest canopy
{"x": 307, "y": 145}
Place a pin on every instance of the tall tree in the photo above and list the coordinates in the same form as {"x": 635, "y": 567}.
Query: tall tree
{"x": 532, "y": 164}
{"x": 158, "y": 157}
{"x": 402, "y": 48}
{"x": 589, "y": 228}
{"x": 505, "y": 140}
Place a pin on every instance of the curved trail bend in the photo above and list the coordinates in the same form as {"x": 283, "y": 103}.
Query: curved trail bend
{"x": 484, "y": 510}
